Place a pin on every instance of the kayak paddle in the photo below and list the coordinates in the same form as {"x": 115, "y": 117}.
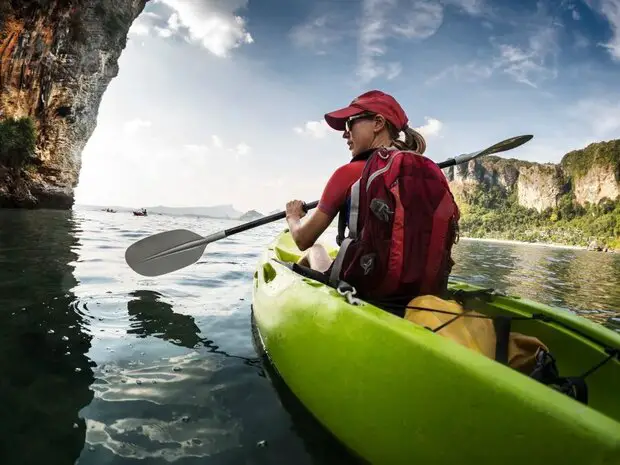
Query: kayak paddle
{"x": 169, "y": 251}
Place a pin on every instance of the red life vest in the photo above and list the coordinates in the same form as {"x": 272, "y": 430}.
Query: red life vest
{"x": 403, "y": 221}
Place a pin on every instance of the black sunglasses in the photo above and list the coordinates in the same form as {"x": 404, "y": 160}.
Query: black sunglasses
{"x": 348, "y": 124}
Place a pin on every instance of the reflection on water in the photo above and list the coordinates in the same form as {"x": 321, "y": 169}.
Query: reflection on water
{"x": 46, "y": 375}
{"x": 104, "y": 366}
{"x": 577, "y": 280}
{"x": 150, "y": 316}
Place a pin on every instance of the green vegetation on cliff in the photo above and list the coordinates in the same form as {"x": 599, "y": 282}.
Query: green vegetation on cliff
{"x": 492, "y": 213}
{"x": 578, "y": 162}
{"x": 18, "y": 138}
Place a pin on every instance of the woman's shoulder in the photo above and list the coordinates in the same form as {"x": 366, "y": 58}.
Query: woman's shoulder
{"x": 353, "y": 167}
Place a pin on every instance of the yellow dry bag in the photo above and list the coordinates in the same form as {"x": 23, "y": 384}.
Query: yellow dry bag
{"x": 473, "y": 330}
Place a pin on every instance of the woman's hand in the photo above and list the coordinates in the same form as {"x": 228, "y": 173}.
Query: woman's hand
{"x": 295, "y": 209}
{"x": 306, "y": 234}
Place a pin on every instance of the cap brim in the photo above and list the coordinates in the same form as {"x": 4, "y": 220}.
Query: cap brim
{"x": 337, "y": 119}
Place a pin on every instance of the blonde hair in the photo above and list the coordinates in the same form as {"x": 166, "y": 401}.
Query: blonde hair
{"x": 411, "y": 140}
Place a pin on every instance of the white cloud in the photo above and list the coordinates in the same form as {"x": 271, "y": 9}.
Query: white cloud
{"x": 217, "y": 141}
{"x": 472, "y": 71}
{"x": 217, "y": 145}
{"x": 242, "y": 148}
{"x": 150, "y": 23}
{"x": 174, "y": 23}
{"x": 319, "y": 34}
{"x": 611, "y": 10}
{"x": 211, "y": 23}
{"x": 379, "y": 21}
{"x": 382, "y": 19}
{"x": 530, "y": 62}
{"x": 139, "y": 29}
{"x": 431, "y": 128}
{"x": 163, "y": 33}
{"x": 373, "y": 32}
{"x": 135, "y": 125}
{"x": 315, "y": 129}
{"x": 412, "y": 20}
{"x": 527, "y": 66}
{"x": 145, "y": 23}
{"x": 420, "y": 21}
{"x": 601, "y": 115}
{"x": 471, "y": 7}
{"x": 196, "y": 148}
{"x": 393, "y": 70}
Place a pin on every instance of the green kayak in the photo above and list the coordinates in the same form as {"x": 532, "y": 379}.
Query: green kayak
{"x": 394, "y": 392}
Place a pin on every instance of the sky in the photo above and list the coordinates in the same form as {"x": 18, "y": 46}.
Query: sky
{"x": 222, "y": 101}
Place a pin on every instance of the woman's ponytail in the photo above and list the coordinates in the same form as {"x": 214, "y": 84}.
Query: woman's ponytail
{"x": 413, "y": 141}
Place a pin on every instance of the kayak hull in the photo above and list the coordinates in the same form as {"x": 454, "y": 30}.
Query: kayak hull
{"x": 394, "y": 392}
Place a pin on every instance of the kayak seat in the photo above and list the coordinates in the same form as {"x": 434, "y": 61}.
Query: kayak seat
{"x": 287, "y": 251}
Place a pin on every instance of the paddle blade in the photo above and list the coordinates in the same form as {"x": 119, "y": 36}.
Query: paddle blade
{"x": 502, "y": 146}
{"x": 165, "y": 252}
{"x": 508, "y": 144}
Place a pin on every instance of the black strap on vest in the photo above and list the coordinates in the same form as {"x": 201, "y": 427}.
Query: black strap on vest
{"x": 502, "y": 336}
{"x": 342, "y": 224}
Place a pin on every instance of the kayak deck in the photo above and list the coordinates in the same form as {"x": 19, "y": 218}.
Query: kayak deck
{"x": 395, "y": 392}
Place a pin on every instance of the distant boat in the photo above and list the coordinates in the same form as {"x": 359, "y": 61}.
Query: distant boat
{"x": 109, "y": 210}
{"x": 140, "y": 212}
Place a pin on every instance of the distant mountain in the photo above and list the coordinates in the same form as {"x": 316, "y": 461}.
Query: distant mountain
{"x": 217, "y": 211}
{"x": 251, "y": 215}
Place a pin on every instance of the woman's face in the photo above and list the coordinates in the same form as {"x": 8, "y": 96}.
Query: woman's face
{"x": 361, "y": 132}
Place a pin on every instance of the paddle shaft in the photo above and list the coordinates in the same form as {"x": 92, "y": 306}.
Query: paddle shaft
{"x": 264, "y": 220}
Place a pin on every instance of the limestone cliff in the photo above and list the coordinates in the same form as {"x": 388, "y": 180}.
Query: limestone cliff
{"x": 591, "y": 174}
{"x": 57, "y": 58}
{"x": 595, "y": 171}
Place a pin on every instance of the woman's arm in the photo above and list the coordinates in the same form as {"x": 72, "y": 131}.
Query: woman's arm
{"x": 334, "y": 195}
{"x": 305, "y": 234}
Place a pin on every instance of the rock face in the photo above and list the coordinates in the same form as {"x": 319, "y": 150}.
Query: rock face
{"x": 595, "y": 171}
{"x": 57, "y": 58}
{"x": 540, "y": 186}
{"x": 591, "y": 174}
{"x": 597, "y": 184}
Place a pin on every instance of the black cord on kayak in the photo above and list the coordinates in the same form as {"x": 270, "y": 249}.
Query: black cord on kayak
{"x": 612, "y": 353}
{"x": 535, "y": 316}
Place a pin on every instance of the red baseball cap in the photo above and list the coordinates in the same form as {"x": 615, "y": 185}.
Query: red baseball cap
{"x": 373, "y": 101}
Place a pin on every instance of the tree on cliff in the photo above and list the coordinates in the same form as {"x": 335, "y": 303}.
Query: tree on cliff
{"x": 18, "y": 138}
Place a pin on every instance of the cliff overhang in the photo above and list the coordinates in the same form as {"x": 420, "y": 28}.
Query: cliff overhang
{"x": 56, "y": 60}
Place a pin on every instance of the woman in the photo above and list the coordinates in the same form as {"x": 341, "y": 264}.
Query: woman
{"x": 373, "y": 120}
